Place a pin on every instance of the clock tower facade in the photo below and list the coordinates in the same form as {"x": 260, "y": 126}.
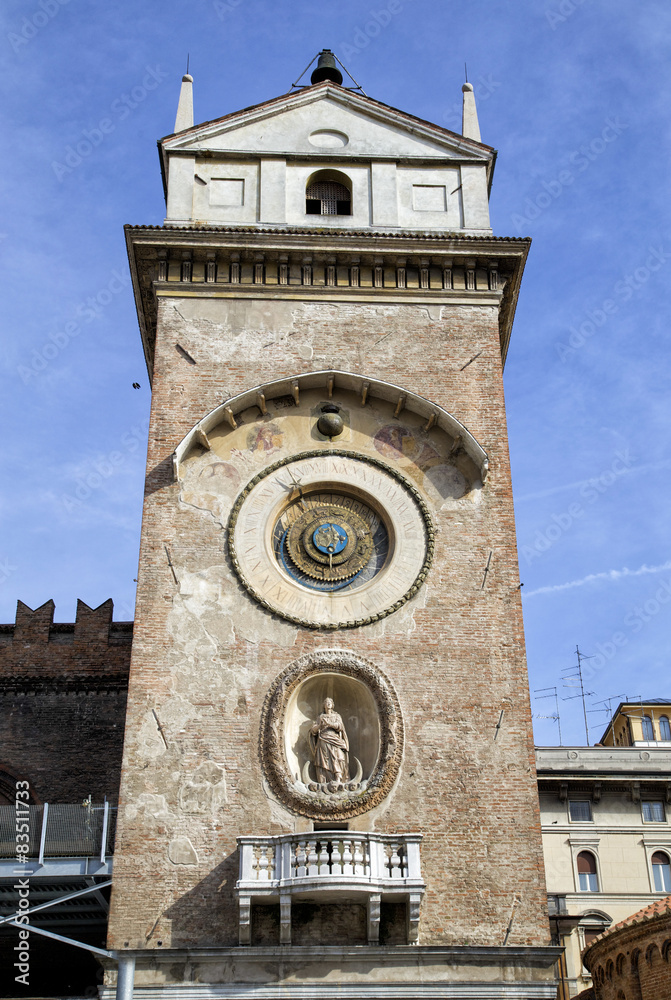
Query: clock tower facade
{"x": 328, "y": 776}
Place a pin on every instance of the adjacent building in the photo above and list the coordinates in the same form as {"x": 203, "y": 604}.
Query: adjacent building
{"x": 631, "y": 959}
{"x": 606, "y": 832}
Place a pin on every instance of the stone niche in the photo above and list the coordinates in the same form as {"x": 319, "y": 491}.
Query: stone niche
{"x": 354, "y": 702}
{"x": 367, "y": 716}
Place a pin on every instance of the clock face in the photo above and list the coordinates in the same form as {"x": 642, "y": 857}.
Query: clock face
{"x": 331, "y": 540}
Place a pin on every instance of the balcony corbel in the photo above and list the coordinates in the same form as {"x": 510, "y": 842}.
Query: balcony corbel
{"x": 328, "y": 864}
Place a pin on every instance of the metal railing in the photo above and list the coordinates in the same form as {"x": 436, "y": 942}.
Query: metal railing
{"x": 60, "y": 831}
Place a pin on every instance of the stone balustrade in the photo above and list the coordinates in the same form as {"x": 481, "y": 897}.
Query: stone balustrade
{"x": 350, "y": 864}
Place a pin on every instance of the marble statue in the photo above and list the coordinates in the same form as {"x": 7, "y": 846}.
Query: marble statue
{"x": 330, "y": 746}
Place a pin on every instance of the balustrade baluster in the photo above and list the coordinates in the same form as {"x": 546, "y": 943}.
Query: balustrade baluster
{"x": 358, "y": 858}
{"x": 312, "y": 858}
{"x": 347, "y": 867}
{"x": 336, "y": 857}
{"x": 403, "y": 854}
{"x": 263, "y": 865}
{"x": 324, "y": 859}
{"x": 395, "y": 862}
{"x": 255, "y": 860}
{"x": 301, "y": 859}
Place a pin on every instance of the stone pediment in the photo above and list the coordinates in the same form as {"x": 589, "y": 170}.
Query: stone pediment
{"x": 329, "y": 120}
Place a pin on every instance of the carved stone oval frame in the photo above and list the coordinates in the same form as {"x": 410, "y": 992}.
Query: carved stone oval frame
{"x": 390, "y": 590}
{"x": 345, "y": 804}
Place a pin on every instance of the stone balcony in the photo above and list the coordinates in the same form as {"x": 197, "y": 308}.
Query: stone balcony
{"x": 328, "y": 865}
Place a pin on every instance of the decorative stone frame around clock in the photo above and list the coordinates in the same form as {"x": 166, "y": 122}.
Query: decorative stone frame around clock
{"x": 347, "y": 803}
{"x": 409, "y": 562}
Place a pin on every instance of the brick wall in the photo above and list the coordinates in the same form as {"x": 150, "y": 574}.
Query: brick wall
{"x": 62, "y": 703}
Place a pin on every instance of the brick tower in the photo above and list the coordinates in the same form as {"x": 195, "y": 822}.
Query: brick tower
{"x": 328, "y": 777}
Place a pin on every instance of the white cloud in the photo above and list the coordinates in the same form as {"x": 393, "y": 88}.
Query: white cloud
{"x": 612, "y": 575}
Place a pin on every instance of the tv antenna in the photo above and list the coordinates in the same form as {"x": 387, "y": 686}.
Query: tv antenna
{"x": 555, "y": 717}
{"x": 608, "y": 707}
{"x": 576, "y": 674}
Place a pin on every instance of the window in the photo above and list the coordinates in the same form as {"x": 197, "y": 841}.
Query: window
{"x": 580, "y": 810}
{"x": 587, "y": 876}
{"x": 664, "y": 729}
{"x": 661, "y": 872}
{"x": 648, "y": 731}
{"x": 328, "y": 193}
{"x": 653, "y": 812}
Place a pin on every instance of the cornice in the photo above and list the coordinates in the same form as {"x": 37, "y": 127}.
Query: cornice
{"x": 82, "y": 684}
{"x": 412, "y": 954}
{"x": 194, "y": 232}
{"x": 436, "y": 268}
{"x": 653, "y": 834}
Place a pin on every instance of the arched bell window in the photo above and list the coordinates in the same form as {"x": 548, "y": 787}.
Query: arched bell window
{"x": 328, "y": 193}
{"x": 661, "y": 872}
{"x": 587, "y": 874}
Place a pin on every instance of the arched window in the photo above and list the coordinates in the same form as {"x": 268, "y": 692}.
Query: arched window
{"x": 664, "y": 728}
{"x": 587, "y": 876}
{"x": 648, "y": 731}
{"x": 328, "y": 193}
{"x": 661, "y": 872}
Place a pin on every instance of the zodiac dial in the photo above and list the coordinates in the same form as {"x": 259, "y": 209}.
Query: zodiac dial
{"x": 331, "y": 540}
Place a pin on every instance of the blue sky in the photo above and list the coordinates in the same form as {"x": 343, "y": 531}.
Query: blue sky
{"x": 574, "y": 95}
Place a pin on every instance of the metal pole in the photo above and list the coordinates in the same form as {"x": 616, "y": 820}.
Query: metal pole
{"x": 103, "y": 841}
{"x": 43, "y": 834}
{"x": 582, "y": 693}
{"x": 66, "y": 940}
{"x": 125, "y": 977}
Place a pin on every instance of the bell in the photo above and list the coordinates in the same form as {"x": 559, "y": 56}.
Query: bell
{"x": 326, "y": 68}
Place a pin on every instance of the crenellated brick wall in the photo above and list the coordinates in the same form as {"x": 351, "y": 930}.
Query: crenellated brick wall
{"x": 62, "y": 703}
